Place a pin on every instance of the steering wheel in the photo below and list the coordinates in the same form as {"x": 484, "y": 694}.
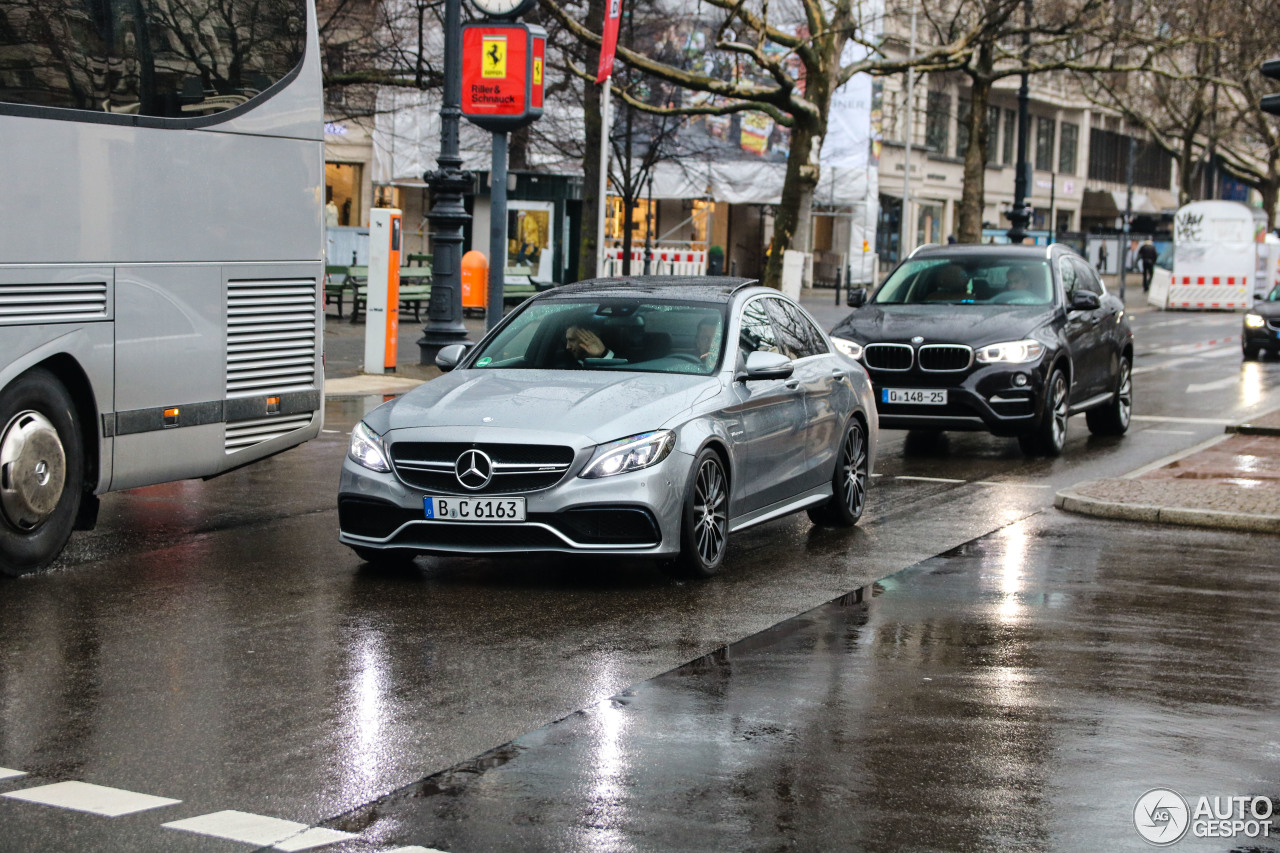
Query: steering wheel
{"x": 684, "y": 356}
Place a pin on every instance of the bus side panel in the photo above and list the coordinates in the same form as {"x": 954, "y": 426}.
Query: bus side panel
{"x": 293, "y": 111}
{"x": 94, "y": 193}
{"x": 169, "y": 355}
{"x": 32, "y": 333}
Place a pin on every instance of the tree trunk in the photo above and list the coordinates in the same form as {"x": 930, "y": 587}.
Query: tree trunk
{"x": 1270, "y": 189}
{"x": 972, "y": 195}
{"x": 797, "y": 194}
{"x": 593, "y": 126}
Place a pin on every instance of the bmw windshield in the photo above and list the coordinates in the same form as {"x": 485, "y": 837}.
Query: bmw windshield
{"x": 614, "y": 334}
{"x": 989, "y": 281}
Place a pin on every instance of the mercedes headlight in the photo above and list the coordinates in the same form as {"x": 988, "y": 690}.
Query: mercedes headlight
{"x": 1254, "y": 321}
{"x": 630, "y": 454}
{"x": 853, "y": 349}
{"x": 367, "y": 449}
{"x": 1011, "y": 352}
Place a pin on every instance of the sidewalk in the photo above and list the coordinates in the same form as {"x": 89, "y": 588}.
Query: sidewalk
{"x": 1231, "y": 482}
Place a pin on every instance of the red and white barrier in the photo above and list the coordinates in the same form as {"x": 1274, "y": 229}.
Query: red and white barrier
{"x": 665, "y": 261}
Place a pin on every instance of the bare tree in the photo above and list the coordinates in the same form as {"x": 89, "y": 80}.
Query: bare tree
{"x": 793, "y": 64}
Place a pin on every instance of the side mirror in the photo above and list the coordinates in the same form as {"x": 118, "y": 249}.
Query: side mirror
{"x": 856, "y": 297}
{"x": 1085, "y": 300}
{"x": 447, "y": 359}
{"x": 766, "y": 365}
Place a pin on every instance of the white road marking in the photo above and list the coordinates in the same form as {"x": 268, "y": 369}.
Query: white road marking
{"x": 95, "y": 799}
{"x": 1216, "y": 385}
{"x": 1161, "y": 419}
{"x": 316, "y": 837}
{"x": 1179, "y": 362}
{"x": 1168, "y": 432}
{"x": 1018, "y": 485}
{"x": 929, "y": 479}
{"x": 258, "y": 829}
{"x": 6, "y": 773}
{"x": 415, "y": 849}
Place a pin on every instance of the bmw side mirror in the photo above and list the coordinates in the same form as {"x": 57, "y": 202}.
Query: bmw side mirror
{"x": 448, "y": 357}
{"x": 1085, "y": 300}
{"x": 856, "y": 297}
{"x": 765, "y": 365}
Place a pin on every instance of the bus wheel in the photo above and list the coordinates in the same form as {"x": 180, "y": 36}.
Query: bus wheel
{"x": 41, "y": 471}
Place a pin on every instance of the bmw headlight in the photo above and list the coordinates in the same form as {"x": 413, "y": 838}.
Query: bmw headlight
{"x": 1254, "y": 321}
{"x": 366, "y": 449}
{"x": 1011, "y": 352}
{"x": 853, "y": 349}
{"x": 630, "y": 454}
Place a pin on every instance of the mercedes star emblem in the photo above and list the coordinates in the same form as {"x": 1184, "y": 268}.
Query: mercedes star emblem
{"x": 474, "y": 469}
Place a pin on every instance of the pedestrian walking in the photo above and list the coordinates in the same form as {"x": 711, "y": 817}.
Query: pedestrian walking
{"x": 1147, "y": 255}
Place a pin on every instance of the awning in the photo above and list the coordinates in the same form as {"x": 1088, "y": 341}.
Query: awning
{"x": 1111, "y": 203}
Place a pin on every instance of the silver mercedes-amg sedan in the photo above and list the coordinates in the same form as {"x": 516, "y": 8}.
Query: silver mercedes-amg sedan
{"x": 640, "y": 417}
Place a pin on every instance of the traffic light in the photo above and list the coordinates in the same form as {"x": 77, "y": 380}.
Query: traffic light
{"x": 1271, "y": 103}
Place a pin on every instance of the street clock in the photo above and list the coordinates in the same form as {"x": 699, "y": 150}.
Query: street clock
{"x": 504, "y": 8}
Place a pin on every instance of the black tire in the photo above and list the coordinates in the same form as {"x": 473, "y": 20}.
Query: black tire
{"x": 1113, "y": 418}
{"x": 704, "y": 531}
{"x": 385, "y": 559}
{"x": 1249, "y": 351}
{"x": 1051, "y": 435}
{"x": 41, "y": 471}
{"x": 848, "y": 483}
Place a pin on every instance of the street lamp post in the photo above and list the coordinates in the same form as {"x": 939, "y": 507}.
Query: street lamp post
{"x": 448, "y": 216}
{"x": 1020, "y": 214}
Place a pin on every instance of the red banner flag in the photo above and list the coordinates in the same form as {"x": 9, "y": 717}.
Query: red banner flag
{"x": 612, "y": 17}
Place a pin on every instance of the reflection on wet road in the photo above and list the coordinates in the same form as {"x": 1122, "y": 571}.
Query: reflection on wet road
{"x": 1019, "y": 692}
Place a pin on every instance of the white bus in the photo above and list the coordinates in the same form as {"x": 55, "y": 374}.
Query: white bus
{"x": 161, "y": 250}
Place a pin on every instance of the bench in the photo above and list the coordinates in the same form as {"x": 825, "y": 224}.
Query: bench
{"x": 415, "y": 290}
{"x": 413, "y": 296}
{"x": 335, "y": 286}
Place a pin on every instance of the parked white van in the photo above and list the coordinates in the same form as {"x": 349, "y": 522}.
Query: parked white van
{"x": 1216, "y": 251}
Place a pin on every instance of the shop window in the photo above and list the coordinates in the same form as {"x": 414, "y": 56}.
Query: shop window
{"x": 342, "y": 191}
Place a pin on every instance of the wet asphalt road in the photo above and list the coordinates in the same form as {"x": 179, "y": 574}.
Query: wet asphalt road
{"x": 1025, "y": 679}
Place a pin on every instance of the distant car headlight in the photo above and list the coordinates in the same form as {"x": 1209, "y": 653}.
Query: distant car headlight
{"x": 630, "y": 454}
{"x": 1254, "y": 321}
{"x": 853, "y": 349}
{"x": 367, "y": 449}
{"x": 1011, "y": 352}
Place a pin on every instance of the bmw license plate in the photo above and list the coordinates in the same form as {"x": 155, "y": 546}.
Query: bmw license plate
{"x": 918, "y": 396}
{"x": 473, "y": 509}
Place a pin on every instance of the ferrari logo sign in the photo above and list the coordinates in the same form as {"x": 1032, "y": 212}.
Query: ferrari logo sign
{"x": 502, "y": 71}
{"x": 494, "y": 63}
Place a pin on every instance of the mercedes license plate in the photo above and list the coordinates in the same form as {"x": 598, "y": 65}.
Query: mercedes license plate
{"x": 918, "y": 396}
{"x": 473, "y": 509}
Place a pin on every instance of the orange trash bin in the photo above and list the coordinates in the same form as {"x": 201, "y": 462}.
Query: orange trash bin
{"x": 475, "y": 280}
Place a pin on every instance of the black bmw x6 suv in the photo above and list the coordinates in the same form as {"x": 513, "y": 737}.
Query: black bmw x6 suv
{"x": 1009, "y": 339}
